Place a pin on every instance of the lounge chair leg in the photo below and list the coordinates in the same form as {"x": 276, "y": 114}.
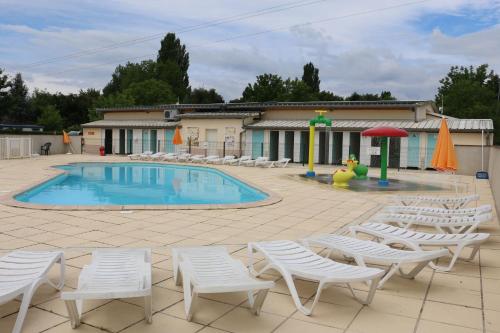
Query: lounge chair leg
{"x": 458, "y": 250}
{"x": 189, "y": 297}
{"x": 295, "y": 296}
{"x": 374, "y": 284}
{"x": 414, "y": 271}
{"x": 62, "y": 268}
{"x": 475, "y": 249}
{"x": 23, "y": 310}
{"x": 388, "y": 274}
{"x": 258, "y": 301}
{"x": 148, "y": 309}
{"x": 74, "y": 312}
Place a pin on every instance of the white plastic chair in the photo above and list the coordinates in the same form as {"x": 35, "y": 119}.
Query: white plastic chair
{"x": 113, "y": 273}
{"x": 146, "y": 155}
{"x": 210, "y": 269}
{"x": 291, "y": 260}
{"x": 414, "y": 240}
{"x": 443, "y": 224}
{"x": 238, "y": 161}
{"x": 365, "y": 251}
{"x": 445, "y": 202}
{"x": 22, "y": 272}
{"x": 440, "y": 212}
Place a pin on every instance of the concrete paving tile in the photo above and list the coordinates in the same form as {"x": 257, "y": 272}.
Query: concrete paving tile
{"x": 36, "y": 321}
{"x": 462, "y": 316}
{"x": 367, "y": 320}
{"x": 241, "y": 320}
{"x": 163, "y": 323}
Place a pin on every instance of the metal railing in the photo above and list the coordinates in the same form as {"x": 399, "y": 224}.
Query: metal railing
{"x": 15, "y": 148}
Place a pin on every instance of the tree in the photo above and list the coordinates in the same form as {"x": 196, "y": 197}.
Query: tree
{"x": 384, "y": 95}
{"x": 4, "y": 95}
{"x": 268, "y": 87}
{"x": 202, "y": 95}
{"x": 151, "y": 92}
{"x": 130, "y": 73}
{"x": 172, "y": 51}
{"x": 50, "y": 119}
{"x": 298, "y": 91}
{"x": 469, "y": 92}
{"x": 310, "y": 77}
{"x": 19, "y": 111}
{"x": 328, "y": 96}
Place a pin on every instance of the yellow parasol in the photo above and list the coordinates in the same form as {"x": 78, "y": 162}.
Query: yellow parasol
{"x": 177, "y": 140}
{"x": 66, "y": 139}
{"x": 444, "y": 157}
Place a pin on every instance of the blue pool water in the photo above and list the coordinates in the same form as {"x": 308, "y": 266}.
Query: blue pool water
{"x": 140, "y": 184}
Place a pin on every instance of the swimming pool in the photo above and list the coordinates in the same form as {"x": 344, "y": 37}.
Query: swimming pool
{"x": 88, "y": 184}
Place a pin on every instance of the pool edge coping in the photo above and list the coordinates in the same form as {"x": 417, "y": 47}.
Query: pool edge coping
{"x": 9, "y": 198}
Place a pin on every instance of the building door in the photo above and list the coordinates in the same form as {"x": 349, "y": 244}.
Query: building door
{"x": 169, "y": 137}
{"x": 257, "y": 143}
{"x": 324, "y": 147}
{"x": 130, "y": 141}
{"x": 304, "y": 147}
{"x": 152, "y": 141}
{"x": 211, "y": 135}
{"x": 122, "y": 142}
{"x": 394, "y": 152}
{"x": 431, "y": 144}
{"x": 289, "y": 142}
{"x": 375, "y": 159}
{"x": 337, "y": 147}
{"x": 354, "y": 143}
{"x": 108, "y": 141}
{"x": 413, "y": 150}
{"x": 273, "y": 145}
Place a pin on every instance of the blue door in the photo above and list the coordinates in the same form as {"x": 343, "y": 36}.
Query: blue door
{"x": 257, "y": 143}
{"x": 431, "y": 144}
{"x": 169, "y": 136}
{"x": 413, "y": 150}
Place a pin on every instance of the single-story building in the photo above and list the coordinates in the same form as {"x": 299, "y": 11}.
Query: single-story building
{"x": 281, "y": 129}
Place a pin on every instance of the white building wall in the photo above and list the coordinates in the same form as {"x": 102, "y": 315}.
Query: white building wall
{"x": 296, "y": 146}
{"x": 346, "y": 140}
{"x": 116, "y": 140}
{"x": 403, "y": 154}
{"x": 248, "y": 143}
{"x": 365, "y": 143}
{"x": 267, "y": 135}
{"x": 137, "y": 144}
{"x": 281, "y": 144}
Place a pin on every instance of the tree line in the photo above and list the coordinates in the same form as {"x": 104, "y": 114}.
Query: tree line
{"x": 466, "y": 92}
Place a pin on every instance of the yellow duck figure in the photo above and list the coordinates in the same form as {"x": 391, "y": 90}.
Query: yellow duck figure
{"x": 341, "y": 177}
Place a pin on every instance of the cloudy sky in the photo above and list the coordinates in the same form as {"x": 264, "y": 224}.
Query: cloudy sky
{"x": 367, "y": 46}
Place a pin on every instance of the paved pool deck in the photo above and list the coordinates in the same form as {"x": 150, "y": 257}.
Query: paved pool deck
{"x": 464, "y": 300}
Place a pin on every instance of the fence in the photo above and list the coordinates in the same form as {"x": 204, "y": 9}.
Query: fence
{"x": 15, "y": 148}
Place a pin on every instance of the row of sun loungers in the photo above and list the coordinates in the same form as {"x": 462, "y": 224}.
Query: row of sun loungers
{"x": 211, "y": 159}
{"x": 125, "y": 273}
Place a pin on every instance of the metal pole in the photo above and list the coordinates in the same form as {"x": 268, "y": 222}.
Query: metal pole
{"x": 224, "y": 148}
{"x": 310, "y": 171}
{"x": 482, "y": 150}
{"x": 383, "y": 162}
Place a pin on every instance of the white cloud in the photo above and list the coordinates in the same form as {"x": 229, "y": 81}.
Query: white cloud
{"x": 381, "y": 50}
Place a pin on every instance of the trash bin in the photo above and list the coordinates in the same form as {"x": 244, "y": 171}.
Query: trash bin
{"x": 101, "y": 151}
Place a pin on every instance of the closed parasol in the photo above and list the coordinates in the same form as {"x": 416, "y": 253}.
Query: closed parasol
{"x": 177, "y": 140}
{"x": 444, "y": 157}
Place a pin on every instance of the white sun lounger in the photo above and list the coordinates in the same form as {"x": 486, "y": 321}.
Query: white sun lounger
{"x": 365, "y": 251}
{"x": 146, "y": 155}
{"x": 445, "y": 202}
{"x": 169, "y": 157}
{"x": 157, "y": 156}
{"x": 442, "y": 212}
{"x": 22, "y": 272}
{"x": 389, "y": 234}
{"x": 282, "y": 163}
{"x": 185, "y": 157}
{"x": 443, "y": 224}
{"x": 238, "y": 161}
{"x": 210, "y": 269}
{"x": 222, "y": 160}
{"x": 291, "y": 260}
{"x": 113, "y": 273}
{"x": 134, "y": 156}
{"x": 258, "y": 160}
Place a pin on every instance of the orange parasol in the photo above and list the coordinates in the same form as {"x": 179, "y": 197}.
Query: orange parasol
{"x": 444, "y": 158}
{"x": 177, "y": 140}
{"x": 66, "y": 139}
